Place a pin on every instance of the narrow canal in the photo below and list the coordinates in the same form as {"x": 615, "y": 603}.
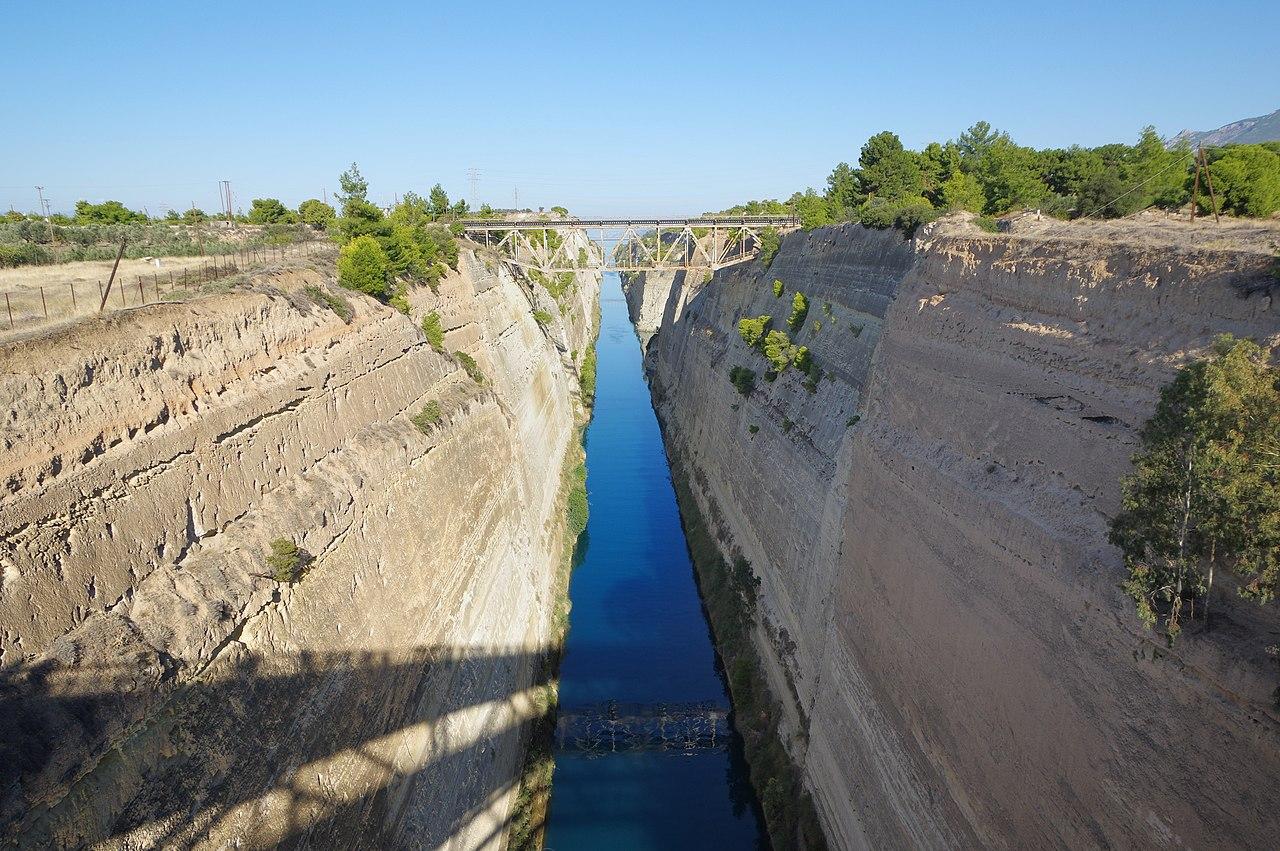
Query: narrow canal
{"x": 638, "y": 636}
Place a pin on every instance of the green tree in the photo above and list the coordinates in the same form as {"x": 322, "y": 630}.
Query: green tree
{"x": 1247, "y": 178}
{"x": 842, "y": 186}
{"x": 317, "y": 213}
{"x": 195, "y": 216}
{"x": 1009, "y": 176}
{"x": 106, "y": 213}
{"x": 779, "y": 350}
{"x": 439, "y": 204}
{"x": 975, "y": 143}
{"x": 1205, "y": 490}
{"x": 353, "y": 186}
{"x": 887, "y": 170}
{"x": 363, "y": 266}
{"x": 269, "y": 211}
{"x": 960, "y": 191}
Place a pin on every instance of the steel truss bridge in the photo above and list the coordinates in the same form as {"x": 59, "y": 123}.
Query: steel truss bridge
{"x": 626, "y": 245}
{"x": 621, "y": 727}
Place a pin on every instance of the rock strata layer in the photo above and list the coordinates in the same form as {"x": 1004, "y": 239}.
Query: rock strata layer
{"x": 940, "y": 610}
{"x": 159, "y": 687}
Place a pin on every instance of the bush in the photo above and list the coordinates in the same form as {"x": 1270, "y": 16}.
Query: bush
{"x": 400, "y": 300}
{"x": 753, "y": 428}
{"x": 578, "y": 507}
{"x": 1247, "y": 179}
{"x": 362, "y": 266}
{"x": 799, "y": 310}
{"x": 770, "y": 242}
{"x": 587, "y": 377}
{"x": 743, "y": 379}
{"x": 317, "y": 214}
{"x": 338, "y": 305}
{"x": 286, "y": 560}
{"x": 470, "y": 365}
{"x": 753, "y": 330}
{"x": 542, "y": 317}
{"x": 779, "y": 350}
{"x": 433, "y": 330}
{"x": 428, "y": 418}
{"x": 777, "y": 288}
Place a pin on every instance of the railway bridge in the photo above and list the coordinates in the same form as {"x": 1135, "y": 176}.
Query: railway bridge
{"x": 556, "y": 245}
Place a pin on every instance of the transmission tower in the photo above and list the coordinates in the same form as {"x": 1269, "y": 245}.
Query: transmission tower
{"x": 473, "y": 175}
{"x": 224, "y": 191}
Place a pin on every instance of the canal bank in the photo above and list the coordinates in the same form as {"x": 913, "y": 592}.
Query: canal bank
{"x": 639, "y": 638}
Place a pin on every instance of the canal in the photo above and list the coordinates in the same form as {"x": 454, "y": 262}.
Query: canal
{"x": 638, "y": 636}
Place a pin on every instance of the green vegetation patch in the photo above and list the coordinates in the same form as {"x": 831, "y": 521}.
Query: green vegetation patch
{"x": 287, "y": 561}
{"x": 729, "y": 592}
{"x": 799, "y": 310}
{"x": 470, "y": 365}
{"x": 1205, "y": 492}
{"x": 433, "y": 330}
{"x": 336, "y": 303}
{"x": 542, "y": 317}
{"x": 753, "y": 331}
{"x": 743, "y": 379}
{"x": 777, "y": 288}
{"x": 428, "y": 418}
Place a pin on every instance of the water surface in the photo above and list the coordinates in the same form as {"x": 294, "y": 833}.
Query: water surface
{"x": 638, "y": 634}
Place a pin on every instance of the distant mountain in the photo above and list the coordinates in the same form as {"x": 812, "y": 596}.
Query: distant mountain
{"x": 1264, "y": 128}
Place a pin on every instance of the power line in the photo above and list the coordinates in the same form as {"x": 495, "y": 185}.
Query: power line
{"x": 1136, "y": 188}
{"x": 473, "y": 175}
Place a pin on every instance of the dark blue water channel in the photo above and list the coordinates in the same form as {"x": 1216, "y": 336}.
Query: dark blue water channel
{"x": 638, "y": 635}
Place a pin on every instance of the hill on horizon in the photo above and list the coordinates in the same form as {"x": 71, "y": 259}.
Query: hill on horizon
{"x": 1264, "y": 128}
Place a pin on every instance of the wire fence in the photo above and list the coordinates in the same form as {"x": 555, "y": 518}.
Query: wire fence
{"x": 50, "y": 297}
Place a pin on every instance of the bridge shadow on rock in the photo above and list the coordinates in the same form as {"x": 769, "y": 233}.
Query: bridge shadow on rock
{"x": 417, "y": 747}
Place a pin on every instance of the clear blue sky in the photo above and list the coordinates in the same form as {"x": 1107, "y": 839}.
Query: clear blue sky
{"x": 641, "y": 108}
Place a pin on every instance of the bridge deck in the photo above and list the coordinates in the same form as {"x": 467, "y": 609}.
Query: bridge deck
{"x": 696, "y": 222}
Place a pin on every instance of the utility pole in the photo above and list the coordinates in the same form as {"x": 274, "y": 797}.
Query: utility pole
{"x": 44, "y": 211}
{"x": 224, "y": 190}
{"x": 473, "y": 175}
{"x": 1202, "y": 162}
{"x": 517, "y": 201}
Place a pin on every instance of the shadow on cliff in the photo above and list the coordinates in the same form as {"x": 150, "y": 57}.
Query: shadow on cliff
{"x": 329, "y": 749}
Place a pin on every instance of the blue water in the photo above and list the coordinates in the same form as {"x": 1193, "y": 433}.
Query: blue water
{"x": 638, "y": 634}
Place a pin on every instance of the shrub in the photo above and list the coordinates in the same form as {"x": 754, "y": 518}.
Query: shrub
{"x": 743, "y": 379}
{"x": 777, "y": 288}
{"x": 317, "y": 213}
{"x": 753, "y": 428}
{"x": 988, "y": 223}
{"x": 788, "y": 424}
{"x": 1247, "y": 178}
{"x": 753, "y": 330}
{"x": 770, "y": 242}
{"x": 428, "y": 418}
{"x": 542, "y": 317}
{"x": 587, "y": 377}
{"x": 286, "y": 561}
{"x": 362, "y": 266}
{"x": 400, "y": 300}
{"x": 470, "y": 365}
{"x": 338, "y": 305}
{"x": 579, "y": 506}
{"x": 799, "y": 310}
{"x": 779, "y": 350}
{"x": 433, "y": 330}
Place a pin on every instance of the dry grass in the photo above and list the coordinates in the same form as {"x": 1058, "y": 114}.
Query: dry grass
{"x": 39, "y": 298}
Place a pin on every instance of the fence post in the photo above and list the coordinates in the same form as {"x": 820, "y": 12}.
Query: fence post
{"x": 44, "y": 303}
{"x": 142, "y": 296}
{"x": 73, "y": 296}
{"x": 10, "y": 307}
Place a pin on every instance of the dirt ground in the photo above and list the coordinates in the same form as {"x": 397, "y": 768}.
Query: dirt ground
{"x": 36, "y": 298}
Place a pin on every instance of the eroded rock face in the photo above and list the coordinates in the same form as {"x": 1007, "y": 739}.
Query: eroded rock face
{"x": 159, "y": 687}
{"x": 942, "y": 616}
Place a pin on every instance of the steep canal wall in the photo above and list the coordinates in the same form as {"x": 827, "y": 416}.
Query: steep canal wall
{"x": 939, "y": 611}
{"x": 159, "y": 687}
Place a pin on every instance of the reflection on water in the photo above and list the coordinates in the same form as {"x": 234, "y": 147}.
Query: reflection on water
{"x": 638, "y": 636}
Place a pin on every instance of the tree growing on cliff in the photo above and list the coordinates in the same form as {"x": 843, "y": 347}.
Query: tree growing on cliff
{"x": 1205, "y": 490}
{"x": 316, "y": 213}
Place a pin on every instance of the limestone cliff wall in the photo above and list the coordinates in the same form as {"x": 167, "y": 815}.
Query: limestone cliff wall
{"x": 942, "y": 614}
{"x": 158, "y": 687}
